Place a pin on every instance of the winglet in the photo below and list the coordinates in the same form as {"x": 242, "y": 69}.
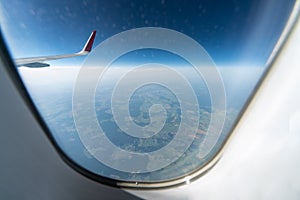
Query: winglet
{"x": 89, "y": 44}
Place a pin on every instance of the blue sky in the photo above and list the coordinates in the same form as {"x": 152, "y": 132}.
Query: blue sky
{"x": 233, "y": 32}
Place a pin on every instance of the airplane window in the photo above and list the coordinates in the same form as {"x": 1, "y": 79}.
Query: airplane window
{"x": 142, "y": 93}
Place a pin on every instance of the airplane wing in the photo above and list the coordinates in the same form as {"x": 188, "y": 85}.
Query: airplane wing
{"x": 39, "y": 61}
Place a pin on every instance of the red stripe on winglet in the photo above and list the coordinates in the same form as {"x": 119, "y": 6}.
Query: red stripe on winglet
{"x": 89, "y": 44}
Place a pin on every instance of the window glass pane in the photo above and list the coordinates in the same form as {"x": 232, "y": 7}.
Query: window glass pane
{"x": 161, "y": 89}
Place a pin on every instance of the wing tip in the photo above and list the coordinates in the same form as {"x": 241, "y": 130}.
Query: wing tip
{"x": 89, "y": 44}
